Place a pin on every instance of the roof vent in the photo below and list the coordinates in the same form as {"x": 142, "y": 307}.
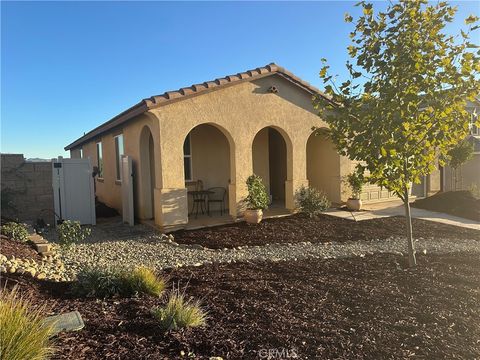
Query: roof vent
{"x": 273, "y": 89}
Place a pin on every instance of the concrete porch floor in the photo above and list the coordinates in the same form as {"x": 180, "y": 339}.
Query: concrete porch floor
{"x": 215, "y": 219}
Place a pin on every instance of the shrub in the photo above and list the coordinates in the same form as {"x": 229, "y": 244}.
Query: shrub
{"x": 311, "y": 201}
{"x": 179, "y": 313}
{"x": 108, "y": 282}
{"x": 70, "y": 232}
{"x": 23, "y": 332}
{"x": 144, "y": 281}
{"x": 257, "y": 198}
{"x": 355, "y": 181}
{"x": 15, "y": 231}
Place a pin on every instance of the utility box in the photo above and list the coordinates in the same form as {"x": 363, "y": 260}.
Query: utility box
{"x": 73, "y": 190}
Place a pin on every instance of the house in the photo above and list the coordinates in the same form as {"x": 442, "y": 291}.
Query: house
{"x": 467, "y": 176}
{"x": 220, "y": 132}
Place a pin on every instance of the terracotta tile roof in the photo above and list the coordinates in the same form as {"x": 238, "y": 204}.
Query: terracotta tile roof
{"x": 194, "y": 90}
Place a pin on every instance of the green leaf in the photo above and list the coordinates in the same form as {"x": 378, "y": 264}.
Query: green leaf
{"x": 471, "y": 19}
{"x": 383, "y": 151}
{"x": 348, "y": 18}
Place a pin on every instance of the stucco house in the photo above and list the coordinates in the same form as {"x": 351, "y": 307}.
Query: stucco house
{"x": 220, "y": 132}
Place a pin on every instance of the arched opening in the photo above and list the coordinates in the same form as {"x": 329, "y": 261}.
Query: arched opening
{"x": 207, "y": 151}
{"x": 323, "y": 166}
{"x": 269, "y": 156}
{"x": 146, "y": 181}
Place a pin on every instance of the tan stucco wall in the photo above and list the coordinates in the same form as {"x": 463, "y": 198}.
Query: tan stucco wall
{"x": 239, "y": 112}
{"x": 323, "y": 167}
{"x": 260, "y": 157}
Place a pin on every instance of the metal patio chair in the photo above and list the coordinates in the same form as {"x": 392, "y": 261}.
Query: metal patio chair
{"x": 217, "y": 197}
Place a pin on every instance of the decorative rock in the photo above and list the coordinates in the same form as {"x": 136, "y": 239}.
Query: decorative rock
{"x": 12, "y": 269}
{"x": 41, "y": 276}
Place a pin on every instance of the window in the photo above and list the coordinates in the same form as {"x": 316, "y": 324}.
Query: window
{"x": 118, "y": 155}
{"x": 100, "y": 160}
{"x": 81, "y": 153}
{"x": 187, "y": 158}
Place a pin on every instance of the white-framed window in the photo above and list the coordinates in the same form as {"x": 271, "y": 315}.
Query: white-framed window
{"x": 187, "y": 158}
{"x": 118, "y": 156}
{"x": 100, "y": 160}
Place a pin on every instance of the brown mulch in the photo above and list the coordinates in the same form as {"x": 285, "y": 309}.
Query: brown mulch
{"x": 18, "y": 249}
{"x": 362, "y": 308}
{"x": 457, "y": 203}
{"x": 324, "y": 228}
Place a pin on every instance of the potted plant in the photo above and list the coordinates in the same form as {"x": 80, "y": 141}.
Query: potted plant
{"x": 256, "y": 201}
{"x": 355, "y": 182}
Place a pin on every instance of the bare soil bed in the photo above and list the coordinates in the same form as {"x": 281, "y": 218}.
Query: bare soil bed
{"x": 324, "y": 228}
{"x": 457, "y": 203}
{"x": 368, "y": 308}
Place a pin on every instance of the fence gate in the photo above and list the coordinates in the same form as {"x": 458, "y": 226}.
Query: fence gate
{"x": 73, "y": 190}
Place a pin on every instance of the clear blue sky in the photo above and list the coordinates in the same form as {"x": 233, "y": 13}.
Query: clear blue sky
{"x": 69, "y": 66}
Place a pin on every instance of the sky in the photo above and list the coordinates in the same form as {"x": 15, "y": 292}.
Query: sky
{"x": 67, "y": 67}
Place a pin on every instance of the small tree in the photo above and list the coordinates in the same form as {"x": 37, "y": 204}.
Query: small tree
{"x": 404, "y": 104}
{"x": 257, "y": 198}
{"x": 458, "y": 156}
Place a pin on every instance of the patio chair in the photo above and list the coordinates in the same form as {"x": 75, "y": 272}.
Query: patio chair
{"x": 218, "y": 197}
{"x": 198, "y": 200}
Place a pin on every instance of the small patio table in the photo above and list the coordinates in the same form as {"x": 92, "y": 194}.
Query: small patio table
{"x": 199, "y": 198}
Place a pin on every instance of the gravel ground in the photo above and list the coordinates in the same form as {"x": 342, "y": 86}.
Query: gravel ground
{"x": 161, "y": 253}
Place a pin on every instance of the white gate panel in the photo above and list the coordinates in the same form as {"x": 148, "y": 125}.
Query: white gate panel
{"x": 73, "y": 190}
{"x": 127, "y": 191}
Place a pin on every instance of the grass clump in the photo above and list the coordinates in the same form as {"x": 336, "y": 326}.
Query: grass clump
{"x": 144, "y": 280}
{"x": 23, "y": 332}
{"x": 179, "y": 313}
{"x": 109, "y": 282}
{"x": 15, "y": 231}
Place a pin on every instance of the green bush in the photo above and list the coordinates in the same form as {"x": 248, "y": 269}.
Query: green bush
{"x": 71, "y": 232}
{"x": 15, "y": 231}
{"x": 108, "y": 282}
{"x": 311, "y": 201}
{"x": 23, "y": 332}
{"x": 257, "y": 198}
{"x": 355, "y": 181}
{"x": 179, "y": 313}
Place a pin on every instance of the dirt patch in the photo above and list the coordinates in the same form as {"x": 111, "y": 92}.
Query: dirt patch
{"x": 324, "y": 228}
{"x": 21, "y": 250}
{"x": 349, "y": 308}
{"x": 457, "y": 203}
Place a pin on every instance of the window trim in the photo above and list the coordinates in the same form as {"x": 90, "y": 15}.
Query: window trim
{"x": 100, "y": 167}
{"x": 188, "y": 156}
{"x": 118, "y": 158}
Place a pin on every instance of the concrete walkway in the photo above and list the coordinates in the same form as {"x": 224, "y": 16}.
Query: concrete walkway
{"x": 395, "y": 208}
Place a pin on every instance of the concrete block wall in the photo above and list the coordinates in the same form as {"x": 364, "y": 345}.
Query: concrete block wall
{"x": 28, "y": 185}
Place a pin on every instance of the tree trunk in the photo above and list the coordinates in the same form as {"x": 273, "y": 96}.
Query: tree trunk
{"x": 412, "y": 261}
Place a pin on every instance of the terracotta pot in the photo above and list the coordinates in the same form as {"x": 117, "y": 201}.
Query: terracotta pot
{"x": 354, "y": 204}
{"x": 253, "y": 216}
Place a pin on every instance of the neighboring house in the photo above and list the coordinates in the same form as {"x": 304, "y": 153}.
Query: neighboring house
{"x": 220, "y": 132}
{"x": 468, "y": 174}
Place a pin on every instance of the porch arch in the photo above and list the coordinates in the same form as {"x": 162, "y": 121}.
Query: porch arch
{"x": 272, "y": 159}
{"x": 209, "y": 156}
{"x": 147, "y": 179}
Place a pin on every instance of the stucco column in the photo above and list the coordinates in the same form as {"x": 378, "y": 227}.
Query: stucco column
{"x": 296, "y": 171}
{"x": 244, "y": 168}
